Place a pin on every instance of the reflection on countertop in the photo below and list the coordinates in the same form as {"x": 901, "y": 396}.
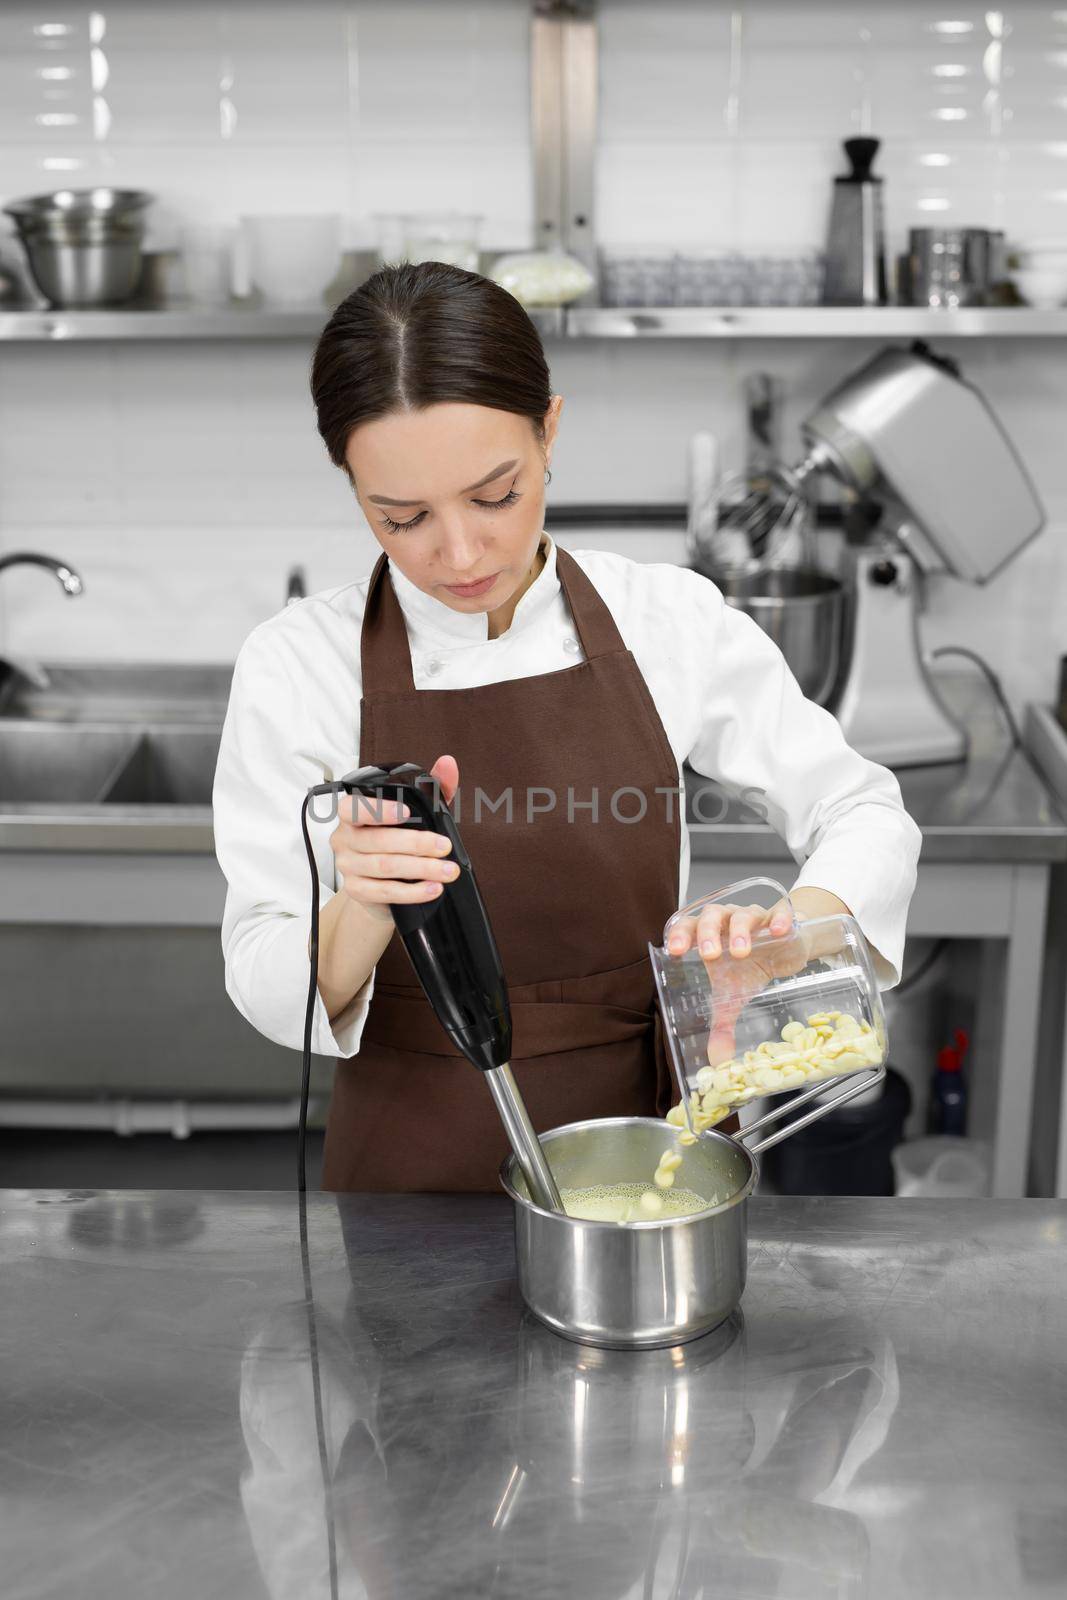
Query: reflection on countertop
{"x": 884, "y": 1417}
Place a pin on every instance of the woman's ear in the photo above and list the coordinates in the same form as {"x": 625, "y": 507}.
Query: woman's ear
{"x": 551, "y": 423}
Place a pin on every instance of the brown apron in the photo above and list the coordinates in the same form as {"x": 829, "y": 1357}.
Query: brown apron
{"x": 573, "y": 902}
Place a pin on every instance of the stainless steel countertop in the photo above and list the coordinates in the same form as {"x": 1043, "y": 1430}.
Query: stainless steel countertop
{"x": 887, "y": 1417}
{"x": 993, "y": 807}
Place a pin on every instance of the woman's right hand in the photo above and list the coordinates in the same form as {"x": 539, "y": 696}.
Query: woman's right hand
{"x": 380, "y": 864}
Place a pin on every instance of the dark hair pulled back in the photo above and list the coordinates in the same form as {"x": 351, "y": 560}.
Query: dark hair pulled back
{"x": 416, "y": 335}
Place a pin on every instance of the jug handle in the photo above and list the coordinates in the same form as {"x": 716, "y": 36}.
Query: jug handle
{"x": 731, "y": 892}
{"x": 855, "y": 1083}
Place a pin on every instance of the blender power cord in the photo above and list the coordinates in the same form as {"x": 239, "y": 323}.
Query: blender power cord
{"x": 301, "y": 1179}
{"x": 312, "y": 984}
{"x": 993, "y": 681}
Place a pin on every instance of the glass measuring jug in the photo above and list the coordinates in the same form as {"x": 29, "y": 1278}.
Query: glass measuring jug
{"x": 798, "y": 1009}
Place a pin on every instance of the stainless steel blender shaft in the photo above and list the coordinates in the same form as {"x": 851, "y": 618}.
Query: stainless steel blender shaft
{"x": 524, "y": 1141}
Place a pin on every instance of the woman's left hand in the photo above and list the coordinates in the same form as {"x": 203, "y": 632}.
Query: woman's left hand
{"x": 727, "y": 930}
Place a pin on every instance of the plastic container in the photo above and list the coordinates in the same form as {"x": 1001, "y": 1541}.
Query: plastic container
{"x": 799, "y": 1009}
{"x": 290, "y": 259}
{"x": 942, "y": 1168}
{"x": 450, "y": 236}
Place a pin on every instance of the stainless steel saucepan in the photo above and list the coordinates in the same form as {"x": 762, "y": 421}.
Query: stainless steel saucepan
{"x": 638, "y": 1285}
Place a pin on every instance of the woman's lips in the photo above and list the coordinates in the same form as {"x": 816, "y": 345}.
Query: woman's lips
{"x": 467, "y": 591}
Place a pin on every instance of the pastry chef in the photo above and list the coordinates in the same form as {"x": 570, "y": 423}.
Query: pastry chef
{"x": 555, "y": 696}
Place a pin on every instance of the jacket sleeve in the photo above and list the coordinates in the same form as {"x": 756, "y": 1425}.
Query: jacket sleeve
{"x": 841, "y": 815}
{"x": 265, "y": 768}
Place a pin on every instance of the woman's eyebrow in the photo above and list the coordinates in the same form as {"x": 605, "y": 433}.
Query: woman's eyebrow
{"x": 505, "y": 466}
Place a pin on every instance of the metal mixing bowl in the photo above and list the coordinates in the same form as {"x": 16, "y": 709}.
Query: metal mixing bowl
{"x": 633, "y": 1285}
{"x": 803, "y": 611}
{"x": 83, "y": 246}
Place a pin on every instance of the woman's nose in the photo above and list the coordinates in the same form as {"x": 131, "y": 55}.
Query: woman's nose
{"x": 460, "y": 547}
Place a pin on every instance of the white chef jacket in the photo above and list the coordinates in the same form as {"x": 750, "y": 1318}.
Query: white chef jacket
{"x": 728, "y": 702}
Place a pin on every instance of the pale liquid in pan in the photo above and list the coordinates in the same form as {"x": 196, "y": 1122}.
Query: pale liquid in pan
{"x": 621, "y": 1202}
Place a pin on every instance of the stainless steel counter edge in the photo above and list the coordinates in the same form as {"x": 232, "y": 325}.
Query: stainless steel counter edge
{"x": 187, "y": 830}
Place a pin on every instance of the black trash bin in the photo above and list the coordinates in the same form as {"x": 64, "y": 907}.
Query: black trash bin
{"x": 848, "y": 1151}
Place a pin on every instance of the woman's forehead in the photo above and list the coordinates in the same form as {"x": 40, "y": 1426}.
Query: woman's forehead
{"x": 411, "y": 456}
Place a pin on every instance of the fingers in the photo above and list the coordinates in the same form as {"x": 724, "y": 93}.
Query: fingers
{"x": 392, "y": 854}
{"x": 390, "y": 891}
{"x": 398, "y": 841}
{"x": 365, "y": 811}
{"x": 446, "y": 770}
{"x": 380, "y": 863}
{"x": 728, "y": 926}
{"x": 682, "y": 935}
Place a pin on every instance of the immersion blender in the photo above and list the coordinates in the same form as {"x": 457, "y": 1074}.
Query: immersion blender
{"x": 452, "y": 949}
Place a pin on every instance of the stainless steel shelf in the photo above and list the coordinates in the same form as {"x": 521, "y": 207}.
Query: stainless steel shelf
{"x": 177, "y": 322}
{"x": 578, "y": 322}
{"x": 813, "y": 322}
{"x": 188, "y": 322}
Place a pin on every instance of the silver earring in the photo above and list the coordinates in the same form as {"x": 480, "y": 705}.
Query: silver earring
{"x": 548, "y": 476}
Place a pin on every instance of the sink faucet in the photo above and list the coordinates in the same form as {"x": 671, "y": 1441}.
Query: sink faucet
{"x": 72, "y": 584}
{"x": 71, "y": 580}
{"x": 296, "y": 588}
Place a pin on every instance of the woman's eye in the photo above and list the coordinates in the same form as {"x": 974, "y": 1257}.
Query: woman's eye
{"x": 494, "y": 505}
{"x": 487, "y": 505}
{"x": 399, "y": 527}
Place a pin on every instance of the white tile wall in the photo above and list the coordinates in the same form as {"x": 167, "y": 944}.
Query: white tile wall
{"x": 185, "y": 481}
{"x": 785, "y": 82}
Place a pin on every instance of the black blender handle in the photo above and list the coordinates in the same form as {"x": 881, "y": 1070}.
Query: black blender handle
{"x": 449, "y": 939}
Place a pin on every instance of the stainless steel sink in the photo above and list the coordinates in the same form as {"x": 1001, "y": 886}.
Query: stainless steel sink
{"x": 104, "y": 692}
{"x": 75, "y": 765}
{"x": 109, "y": 756}
{"x": 167, "y": 767}
{"x": 66, "y": 765}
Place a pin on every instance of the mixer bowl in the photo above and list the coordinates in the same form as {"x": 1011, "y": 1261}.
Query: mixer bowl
{"x": 635, "y": 1285}
{"x": 803, "y": 611}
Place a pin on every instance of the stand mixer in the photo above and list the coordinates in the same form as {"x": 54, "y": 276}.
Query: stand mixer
{"x": 936, "y": 487}
{"x": 906, "y": 432}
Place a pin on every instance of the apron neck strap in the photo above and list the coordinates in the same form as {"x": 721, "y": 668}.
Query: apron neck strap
{"x": 593, "y": 622}
{"x": 385, "y": 657}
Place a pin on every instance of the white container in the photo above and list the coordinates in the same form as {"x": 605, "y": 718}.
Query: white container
{"x": 1043, "y": 286}
{"x": 449, "y": 236}
{"x": 207, "y": 262}
{"x": 942, "y": 1168}
{"x": 291, "y": 260}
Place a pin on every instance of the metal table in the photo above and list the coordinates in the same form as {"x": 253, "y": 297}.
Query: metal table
{"x": 886, "y": 1417}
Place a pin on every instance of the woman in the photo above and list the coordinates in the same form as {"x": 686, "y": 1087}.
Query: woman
{"x": 555, "y": 698}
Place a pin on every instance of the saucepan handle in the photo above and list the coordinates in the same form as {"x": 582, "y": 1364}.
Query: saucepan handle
{"x": 855, "y": 1083}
